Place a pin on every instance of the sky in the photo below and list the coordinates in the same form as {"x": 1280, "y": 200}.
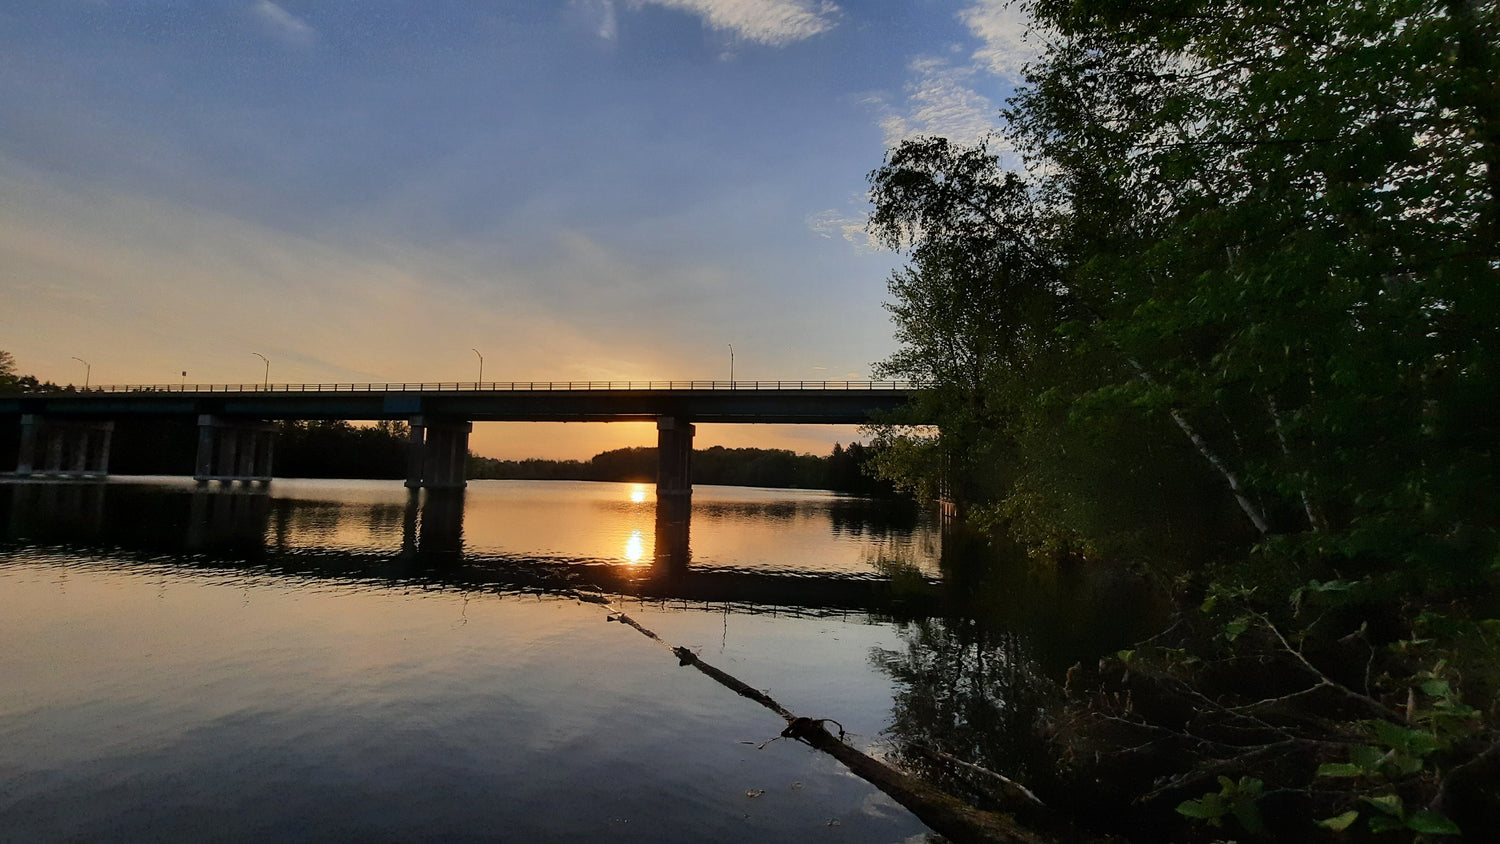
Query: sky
{"x": 385, "y": 190}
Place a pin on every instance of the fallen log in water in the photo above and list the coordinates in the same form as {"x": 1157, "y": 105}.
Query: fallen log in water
{"x": 945, "y": 813}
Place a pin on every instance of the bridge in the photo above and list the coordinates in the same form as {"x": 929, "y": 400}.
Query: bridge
{"x": 68, "y": 432}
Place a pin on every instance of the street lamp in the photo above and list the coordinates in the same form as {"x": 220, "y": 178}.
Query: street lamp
{"x": 731, "y": 365}
{"x": 87, "y": 370}
{"x": 481, "y": 368}
{"x": 268, "y": 368}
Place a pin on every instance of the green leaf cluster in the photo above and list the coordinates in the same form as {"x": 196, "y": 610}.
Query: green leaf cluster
{"x": 1390, "y": 815}
{"x": 1397, "y": 752}
{"x": 1235, "y": 798}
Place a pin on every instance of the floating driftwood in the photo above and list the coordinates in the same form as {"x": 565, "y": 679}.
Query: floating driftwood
{"x": 941, "y": 811}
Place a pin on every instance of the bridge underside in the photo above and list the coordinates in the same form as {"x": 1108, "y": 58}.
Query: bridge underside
{"x": 791, "y": 406}
{"x": 234, "y": 439}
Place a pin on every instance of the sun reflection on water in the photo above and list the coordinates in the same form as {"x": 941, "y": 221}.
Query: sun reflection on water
{"x": 635, "y": 547}
{"x": 638, "y": 494}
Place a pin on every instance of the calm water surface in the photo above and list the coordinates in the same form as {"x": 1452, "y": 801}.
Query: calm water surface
{"x": 340, "y": 660}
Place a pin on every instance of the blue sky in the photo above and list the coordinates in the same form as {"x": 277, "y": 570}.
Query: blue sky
{"x": 366, "y": 190}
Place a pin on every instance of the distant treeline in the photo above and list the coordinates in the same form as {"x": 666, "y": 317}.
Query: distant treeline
{"x": 840, "y": 471}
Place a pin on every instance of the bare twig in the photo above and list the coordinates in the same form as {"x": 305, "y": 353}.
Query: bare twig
{"x": 1325, "y": 681}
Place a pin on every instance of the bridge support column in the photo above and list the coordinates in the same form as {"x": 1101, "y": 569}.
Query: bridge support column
{"x": 232, "y": 450}
{"x": 69, "y": 448}
{"x": 30, "y": 432}
{"x": 674, "y": 456}
{"x": 438, "y": 455}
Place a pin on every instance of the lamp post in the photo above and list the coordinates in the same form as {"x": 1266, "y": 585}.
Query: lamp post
{"x": 481, "y": 368}
{"x": 267, "y": 384}
{"x": 87, "y": 370}
{"x": 731, "y": 365}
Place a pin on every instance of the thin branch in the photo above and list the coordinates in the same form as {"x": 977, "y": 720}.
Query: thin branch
{"x": 1325, "y": 681}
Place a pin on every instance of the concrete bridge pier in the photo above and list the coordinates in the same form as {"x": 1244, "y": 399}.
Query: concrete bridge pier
{"x": 674, "y": 456}
{"x": 233, "y": 450}
{"x": 438, "y": 454}
{"x": 67, "y": 448}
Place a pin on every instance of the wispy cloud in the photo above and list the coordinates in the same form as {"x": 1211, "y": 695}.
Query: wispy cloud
{"x": 939, "y": 100}
{"x": 283, "y": 25}
{"x": 597, "y": 16}
{"x": 771, "y": 22}
{"x": 943, "y": 95}
{"x": 1002, "y": 29}
{"x": 847, "y": 225}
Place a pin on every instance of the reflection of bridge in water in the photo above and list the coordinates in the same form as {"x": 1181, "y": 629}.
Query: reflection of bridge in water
{"x": 240, "y": 527}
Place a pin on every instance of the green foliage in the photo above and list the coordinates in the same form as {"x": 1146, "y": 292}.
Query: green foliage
{"x": 1280, "y": 213}
{"x": 1235, "y": 799}
{"x": 1262, "y": 238}
{"x": 1397, "y": 752}
{"x": 981, "y": 316}
{"x": 1427, "y": 725}
{"x": 1341, "y": 821}
{"x": 910, "y": 460}
{"x": 1390, "y": 815}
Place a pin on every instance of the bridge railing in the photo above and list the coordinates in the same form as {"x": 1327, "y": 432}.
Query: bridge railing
{"x": 490, "y": 386}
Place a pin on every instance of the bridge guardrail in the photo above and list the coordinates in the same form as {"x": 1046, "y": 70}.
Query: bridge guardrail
{"x": 485, "y": 386}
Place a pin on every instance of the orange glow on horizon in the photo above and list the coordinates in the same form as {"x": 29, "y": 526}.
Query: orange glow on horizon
{"x": 582, "y": 440}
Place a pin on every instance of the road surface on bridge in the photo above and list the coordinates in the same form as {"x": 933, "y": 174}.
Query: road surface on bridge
{"x": 808, "y": 402}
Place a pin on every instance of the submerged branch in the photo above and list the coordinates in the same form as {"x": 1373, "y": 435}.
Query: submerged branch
{"x": 1013, "y": 790}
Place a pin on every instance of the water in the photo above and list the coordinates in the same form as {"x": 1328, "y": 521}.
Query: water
{"x": 338, "y": 660}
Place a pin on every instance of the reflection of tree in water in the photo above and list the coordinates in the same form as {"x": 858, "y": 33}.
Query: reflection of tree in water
{"x": 856, "y": 516}
{"x": 862, "y": 516}
{"x": 773, "y": 511}
{"x": 311, "y": 519}
{"x": 384, "y": 519}
{"x": 970, "y": 691}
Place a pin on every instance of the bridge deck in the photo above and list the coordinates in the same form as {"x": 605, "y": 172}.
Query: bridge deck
{"x": 816, "y": 402}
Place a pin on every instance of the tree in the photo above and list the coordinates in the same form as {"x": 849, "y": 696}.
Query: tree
{"x": 981, "y": 315}
{"x": 1285, "y": 219}
{"x": 11, "y": 382}
{"x": 1273, "y": 230}
{"x": 973, "y": 312}
{"x": 1271, "y": 227}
